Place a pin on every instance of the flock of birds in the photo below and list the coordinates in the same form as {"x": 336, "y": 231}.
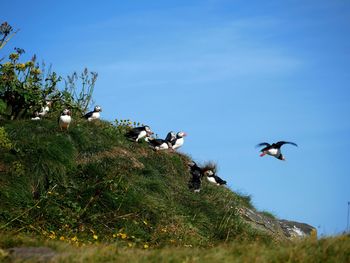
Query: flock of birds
{"x": 171, "y": 142}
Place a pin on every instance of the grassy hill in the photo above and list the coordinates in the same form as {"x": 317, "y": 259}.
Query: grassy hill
{"x": 93, "y": 184}
{"x": 93, "y": 188}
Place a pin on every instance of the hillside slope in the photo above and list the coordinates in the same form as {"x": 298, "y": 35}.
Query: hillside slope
{"x": 90, "y": 184}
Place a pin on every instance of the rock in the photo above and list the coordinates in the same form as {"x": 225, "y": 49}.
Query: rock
{"x": 40, "y": 254}
{"x": 295, "y": 229}
{"x": 281, "y": 229}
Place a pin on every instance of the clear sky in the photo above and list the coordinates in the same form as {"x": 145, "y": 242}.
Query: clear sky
{"x": 230, "y": 73}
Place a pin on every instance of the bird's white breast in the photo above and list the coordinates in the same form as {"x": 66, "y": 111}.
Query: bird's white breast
{"x": 94, "y": 116}
{"x": 44, "y": 111}
{"x": 211, "y": 179}
{"x": 141, "y": 135}
{"x": 178, "y": 143}
{"x": 65, "y": 119}
{"x": 273, "y": 152}
{"x": 163, "y": 146}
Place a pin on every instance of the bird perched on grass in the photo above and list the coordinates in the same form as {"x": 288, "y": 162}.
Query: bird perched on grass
{"x": 65, "y": 119}
{"x": 171, "y": 137}
{"x": 213, "y": 178}
{"x": 44, "y": 110}
{"x": 274, "y": 149}
{"x": 196, "y": 179}
{"x": 209, "y": 170}
{"x": 93, "y": 115}
{"x": 160, "y": 144}
{"x": 179, "y": 141}
{"x": 138, "y": 133}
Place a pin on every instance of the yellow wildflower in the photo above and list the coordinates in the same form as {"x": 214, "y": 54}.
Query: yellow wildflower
{"x": 14, "y": 56}
{"x": 145, "y": 222}
{"x": 95, "y": 237}
{"x": 20, "y": 66}
{"x": 62, "y": 238}
{"x": 36, "y": 71}
{"x": 52, "y": 235}
{"x": 145, "y": 246}
{"x": 30, "y": 64}
{"x": 122, "y": 235}
{"x": 74, "y": 239}
{"x": 3, "y": 253}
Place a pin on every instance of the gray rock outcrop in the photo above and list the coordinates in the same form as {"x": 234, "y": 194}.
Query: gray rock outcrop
{"x": 281, "y": 229}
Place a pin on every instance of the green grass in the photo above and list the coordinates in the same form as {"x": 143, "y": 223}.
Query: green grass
{"x": 92, "y": 181}
{"x": 93, "y": 196}
{"x": 331, "y": 249}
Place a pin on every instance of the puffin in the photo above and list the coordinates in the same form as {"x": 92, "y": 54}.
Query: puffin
{"x": 179, "y": 141}
{"x": 274, "y": 149}
{"x": 213, "y": 178}
{"x": 44, "y": 110}
{"x": 138, "y": 133}
{"x": 160, "y": 144}
{"x": 196, "y": 179}
{"x": 65, "y": 119}
{"x": 93, "y": 115}
{"x": 36, "y": 117}
{"x": 171, "y": 137}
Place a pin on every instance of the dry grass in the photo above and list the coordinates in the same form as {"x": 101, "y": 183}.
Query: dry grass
{"x": 331, "y": 249}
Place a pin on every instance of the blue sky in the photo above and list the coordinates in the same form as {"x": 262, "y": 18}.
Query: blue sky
{"x": 229, "y": 73}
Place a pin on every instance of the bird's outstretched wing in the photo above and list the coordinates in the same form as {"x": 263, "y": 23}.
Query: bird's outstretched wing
{"x": 263, "y": 144}
{"x": 280, "y": 143}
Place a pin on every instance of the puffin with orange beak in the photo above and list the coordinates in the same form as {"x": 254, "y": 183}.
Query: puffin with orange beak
{"x": 274, "y": 149}
{"x": 179, "y": 141}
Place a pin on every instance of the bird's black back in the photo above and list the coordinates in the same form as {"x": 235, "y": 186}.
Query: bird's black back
{"x": 134, "y": 132}
{"x": 88, "y": 115}
{"x": 156, "y": 142}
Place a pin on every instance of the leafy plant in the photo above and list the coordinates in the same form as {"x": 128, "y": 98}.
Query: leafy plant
{"x": 5, "y": 142}
{"x": 5, "y": 33}
{"x": 79, "y": 96}
{"x": 23, "y": 87}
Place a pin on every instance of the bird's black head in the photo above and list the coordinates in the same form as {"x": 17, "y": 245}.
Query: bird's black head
{"x": 97, "y": 108}
{"x": 181, "y": 134}
{"x": 148, "y": 130}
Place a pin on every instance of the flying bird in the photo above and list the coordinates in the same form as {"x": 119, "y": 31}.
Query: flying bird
{"x": 65, "y": 119}
{"x": 93, "y": 115}
{"x": 138, "y": 133}
{"x": 274, "y": 149}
